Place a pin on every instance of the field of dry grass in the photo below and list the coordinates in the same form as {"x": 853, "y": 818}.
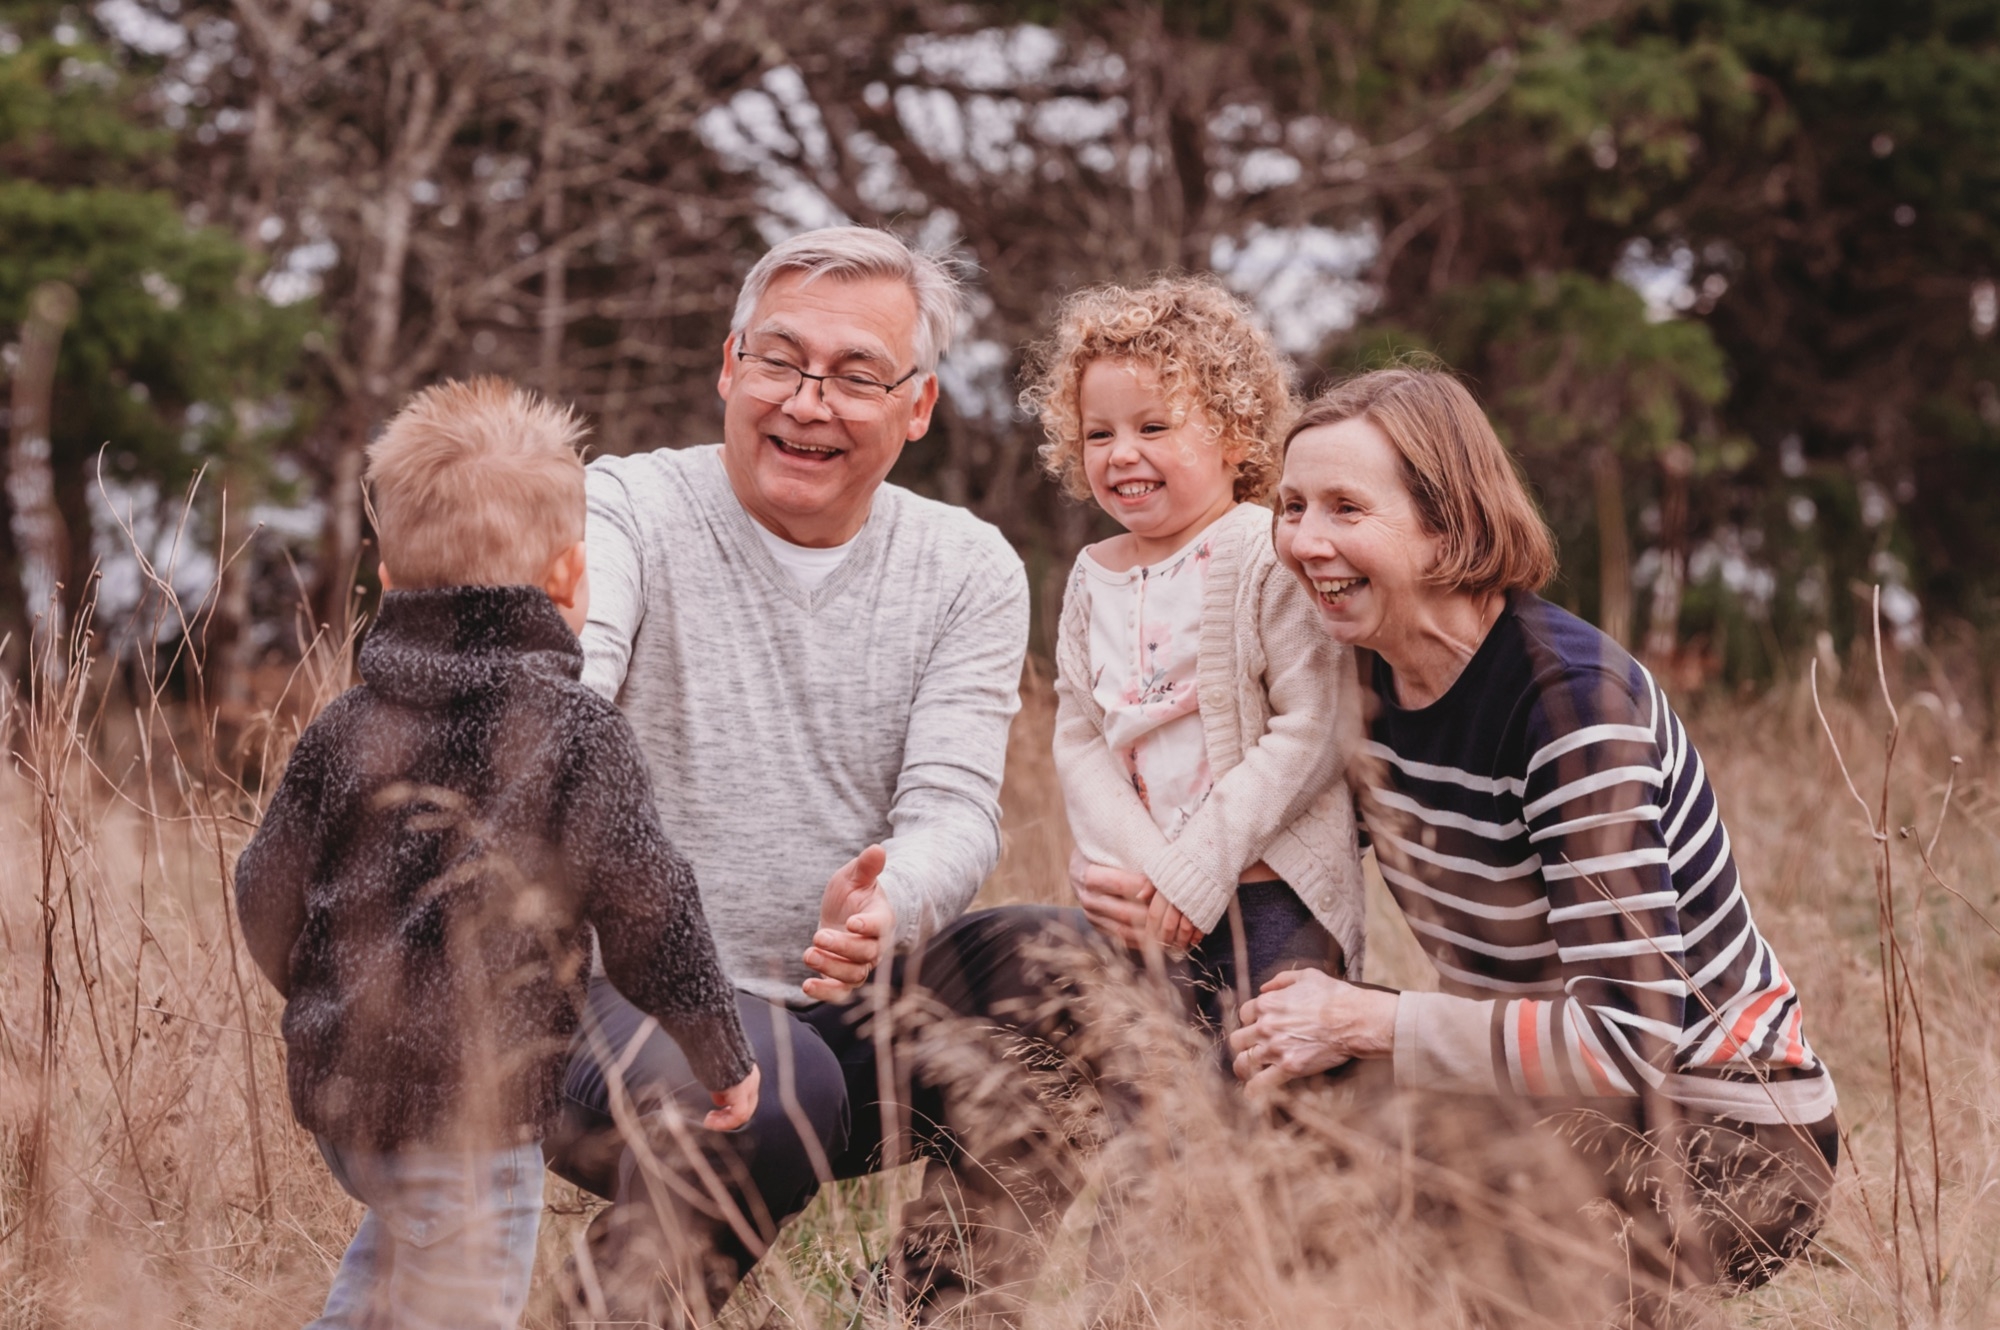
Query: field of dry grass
{"x": 150, "y": 1174}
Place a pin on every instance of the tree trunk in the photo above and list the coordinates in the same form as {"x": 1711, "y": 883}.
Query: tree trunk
{"x": 226, "y": 660}
{"x": 41, "y": 537}
{"x": 1614, "y": 550}
{"x": 381, "y": 376}
{"x": 74, "y": 476}
{"x": 555, "y": 268}
{"x": 1664, "y": 616}
{"x": 342, "y": 542}
{"x": 384, "y": 321}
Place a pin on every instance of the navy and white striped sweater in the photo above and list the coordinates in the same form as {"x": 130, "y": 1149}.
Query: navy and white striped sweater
{"x": 1552, "y": 838}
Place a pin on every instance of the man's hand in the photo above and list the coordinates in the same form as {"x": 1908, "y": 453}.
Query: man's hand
{"x": 1306, "y": 1021}
{"x": 856, "y": 925}
{"x": 734, "y": 1106}
{"x": 1114, "y": 899}
{"x": 1168, "y": 925}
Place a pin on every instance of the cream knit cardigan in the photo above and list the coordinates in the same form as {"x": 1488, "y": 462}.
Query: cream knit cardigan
{"x": 1269, "y": 681}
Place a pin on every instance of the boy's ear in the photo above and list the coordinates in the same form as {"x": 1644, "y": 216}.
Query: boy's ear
{"x": 565, "y": 575}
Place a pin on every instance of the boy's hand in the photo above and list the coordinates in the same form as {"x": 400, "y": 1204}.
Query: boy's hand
{"x": 1168, "y": 926}
{"x": 734, "y": 1106}
{"x": 856, "y": 925}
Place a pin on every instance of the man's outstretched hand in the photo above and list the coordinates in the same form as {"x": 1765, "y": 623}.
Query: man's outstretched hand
{"x": 734, "y": 1106}
{"x": 856, "y": 926}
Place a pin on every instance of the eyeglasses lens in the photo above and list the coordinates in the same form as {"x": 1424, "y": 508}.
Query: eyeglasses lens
{"x": 847, "y": 398}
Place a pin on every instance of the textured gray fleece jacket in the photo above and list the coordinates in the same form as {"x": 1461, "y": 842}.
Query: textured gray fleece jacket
{"x": 420, "y": 884}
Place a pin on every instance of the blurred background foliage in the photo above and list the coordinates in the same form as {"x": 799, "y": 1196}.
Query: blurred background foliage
{"x": 1724, "y": 272}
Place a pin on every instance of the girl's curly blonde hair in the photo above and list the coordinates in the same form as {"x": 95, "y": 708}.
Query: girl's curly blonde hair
{"x": 1208, "y": 350}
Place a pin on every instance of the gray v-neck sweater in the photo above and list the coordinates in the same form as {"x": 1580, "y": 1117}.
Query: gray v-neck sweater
{"x": 788, "y": 730}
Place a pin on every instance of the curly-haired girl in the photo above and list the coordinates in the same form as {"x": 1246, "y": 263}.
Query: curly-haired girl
{"x": 1195, "y": 734}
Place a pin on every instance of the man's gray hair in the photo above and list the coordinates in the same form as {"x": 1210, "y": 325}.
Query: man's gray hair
{"x": 858, "y": 252}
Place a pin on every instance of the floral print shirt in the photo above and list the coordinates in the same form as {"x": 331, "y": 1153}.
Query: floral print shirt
{"x": 1145, "y": 634}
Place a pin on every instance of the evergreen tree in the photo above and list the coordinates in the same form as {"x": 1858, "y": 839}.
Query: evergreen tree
{"x": 169, "y": 360}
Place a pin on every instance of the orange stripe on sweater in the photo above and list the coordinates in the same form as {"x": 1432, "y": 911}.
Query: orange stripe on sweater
{"x": 1531, "y": 1053}
{"x": 1747, "y": 1022}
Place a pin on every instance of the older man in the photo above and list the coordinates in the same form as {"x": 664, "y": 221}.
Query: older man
{"x": 821, "y": 668}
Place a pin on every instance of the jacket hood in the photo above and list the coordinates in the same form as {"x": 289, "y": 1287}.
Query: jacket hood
{"x": 429, "y": 647}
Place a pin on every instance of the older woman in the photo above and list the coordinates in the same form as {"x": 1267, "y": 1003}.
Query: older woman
{"x": 1549, "y": 832}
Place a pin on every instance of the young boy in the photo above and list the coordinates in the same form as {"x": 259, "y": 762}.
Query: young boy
{"x": 420, "y": 888}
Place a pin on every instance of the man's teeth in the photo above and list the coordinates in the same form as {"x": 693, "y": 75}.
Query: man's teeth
{"x": 1133, "y": 489}
{"x": 1334, "y": 587}
{"x": 816, "y": 449}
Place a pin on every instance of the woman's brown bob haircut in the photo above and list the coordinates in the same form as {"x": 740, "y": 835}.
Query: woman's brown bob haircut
{"x": 1466, "y": 486}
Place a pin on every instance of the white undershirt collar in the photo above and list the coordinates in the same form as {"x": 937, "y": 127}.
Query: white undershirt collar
{"x": 809, "y": 565}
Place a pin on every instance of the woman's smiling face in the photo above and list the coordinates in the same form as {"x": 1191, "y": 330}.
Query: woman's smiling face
{"x": 1348, "y": 528}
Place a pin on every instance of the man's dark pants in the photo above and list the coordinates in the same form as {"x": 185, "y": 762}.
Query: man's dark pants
{"x": 820, "y": 1116}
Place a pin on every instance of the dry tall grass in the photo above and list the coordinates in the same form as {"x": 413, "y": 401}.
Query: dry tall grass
{"x": 150, "y": 1173}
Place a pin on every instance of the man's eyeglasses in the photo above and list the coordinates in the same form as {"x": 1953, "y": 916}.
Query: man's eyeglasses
{"x": 849, "y": 396}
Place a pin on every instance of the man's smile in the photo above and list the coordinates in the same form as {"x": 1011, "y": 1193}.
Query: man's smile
{"x": 804, "y": 450}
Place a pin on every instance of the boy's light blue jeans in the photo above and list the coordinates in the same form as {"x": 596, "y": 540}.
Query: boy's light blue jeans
{"x": 448, "y": 1240}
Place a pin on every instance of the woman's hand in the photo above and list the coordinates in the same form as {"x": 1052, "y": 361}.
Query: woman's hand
{"x": 1116, "y": 900}
{"x": 1306, "y": 1021}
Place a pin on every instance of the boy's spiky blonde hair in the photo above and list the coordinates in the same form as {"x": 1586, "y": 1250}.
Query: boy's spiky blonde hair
{"x": 476, "y": 484}
{"x": 1208, "y": 350}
